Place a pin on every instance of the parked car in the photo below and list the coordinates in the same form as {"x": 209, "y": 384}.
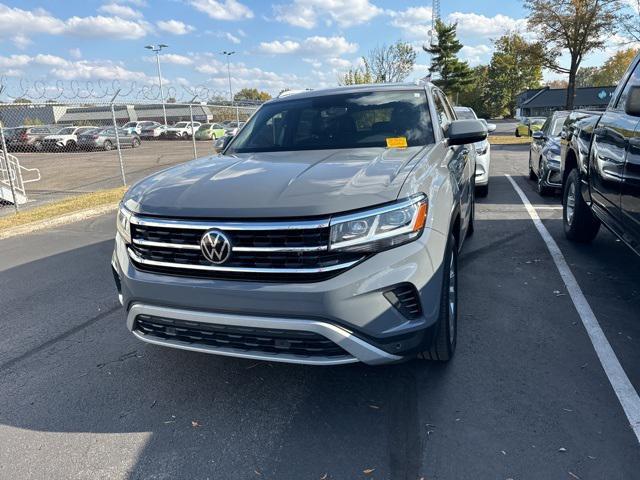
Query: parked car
{"x": 210, "y": 131}
{"x": 483, "y": 152}
{"x": 105, "y": 139}
{"x": 30, "y": 138}
{"x": 601, "y": 168}
{"x": 65, "y": 139}
{"x": 153, "y": 130}
{"x": 326, "y": 232}
{"x": 232, "y": 128}
{"x": 182, "y": 130}
{"x": 8, "y": 134}
{"x": 544, "y": 154}
{"x": 527, "y": 126}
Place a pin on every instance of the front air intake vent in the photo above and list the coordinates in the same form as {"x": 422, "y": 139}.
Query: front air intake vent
{"x": 405, "y": 299}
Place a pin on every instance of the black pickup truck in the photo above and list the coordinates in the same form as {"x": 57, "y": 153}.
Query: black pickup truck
{"x": 600, "y": 166}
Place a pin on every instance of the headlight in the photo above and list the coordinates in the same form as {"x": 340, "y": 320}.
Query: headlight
{"x": 123, "y": 224}
{"x": 381, "y": 228}
{"x": 553, "y": 157}
{"x": 482, "y": 147}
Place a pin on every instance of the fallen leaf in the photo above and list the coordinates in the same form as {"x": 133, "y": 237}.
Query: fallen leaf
{"x": 503, "y": 452}
{"x": 574, "y": 475}
{"x": 562, "y": 449}
{"x": 195, "y": 424}
{"x": 375, "y": 407}
{"x": 323, "y": 477}
{"x": 368, "y": 471}
{"x": 257, "y": 472}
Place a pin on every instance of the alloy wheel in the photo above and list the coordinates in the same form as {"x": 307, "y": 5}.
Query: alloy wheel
{"x": 571, "y": 202}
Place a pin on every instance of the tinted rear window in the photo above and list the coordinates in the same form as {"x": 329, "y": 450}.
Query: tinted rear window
{"x": 353, "y": 120}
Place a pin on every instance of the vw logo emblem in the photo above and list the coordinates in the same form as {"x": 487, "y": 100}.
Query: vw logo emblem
{"x": 215, "y": 246}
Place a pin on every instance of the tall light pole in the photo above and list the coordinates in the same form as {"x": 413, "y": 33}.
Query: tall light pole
{"x": 228, "y": 55}
{"x": 157, "y": 49}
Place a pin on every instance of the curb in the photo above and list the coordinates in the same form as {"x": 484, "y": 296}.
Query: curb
{"x": 58, "y": 221}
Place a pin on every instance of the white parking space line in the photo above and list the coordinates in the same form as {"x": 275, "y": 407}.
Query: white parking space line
{"x": 623, "y": 388}
{"x": 548, "y": 207}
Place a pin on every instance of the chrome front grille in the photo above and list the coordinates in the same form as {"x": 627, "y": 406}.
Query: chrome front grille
{"x": 272, "y": 251}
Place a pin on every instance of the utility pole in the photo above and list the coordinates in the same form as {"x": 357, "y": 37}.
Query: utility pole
{"x": 157, "y": 49}
{"x": 228, "y": 55}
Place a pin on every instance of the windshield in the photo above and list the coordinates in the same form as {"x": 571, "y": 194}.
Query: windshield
{"x": 205, "y": 126}
{"x": 130, "y": 124}
{"x": 556, "y": 126}
{"x": 181, "y": 124}
{"x": 67, "y": 131}
{"x": 351, "y": 120}
{"x": 465, "y": 114}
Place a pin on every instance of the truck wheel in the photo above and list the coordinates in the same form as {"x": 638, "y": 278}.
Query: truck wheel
{"x": 71, "y": 146}
{"x": 107, "y": 145}
{"x": 580, "y": 225}
{"x": 444, "y": 344}
{"x": 38, "y": 145}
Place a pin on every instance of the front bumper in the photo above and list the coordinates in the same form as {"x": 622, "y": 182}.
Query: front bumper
{"x": 349, "y": 309}
{"x": 551, "y": 176}
{"x": 483, "y": 163}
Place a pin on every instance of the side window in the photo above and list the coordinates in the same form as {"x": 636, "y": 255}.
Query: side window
{"x": 444, "y": 114}
{"x": 634, "y": 81}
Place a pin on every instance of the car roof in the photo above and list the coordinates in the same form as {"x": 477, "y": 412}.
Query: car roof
{"x": 369, "y": 87}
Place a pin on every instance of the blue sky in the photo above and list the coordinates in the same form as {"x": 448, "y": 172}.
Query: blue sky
{"x": 281, "y": 44}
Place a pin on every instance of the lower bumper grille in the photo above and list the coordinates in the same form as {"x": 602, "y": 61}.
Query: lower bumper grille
{"x": 272, "y": 341}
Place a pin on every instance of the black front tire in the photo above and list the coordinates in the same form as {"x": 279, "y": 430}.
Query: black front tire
{"x": 580, "y": 225}
{"x": 517, "y": 133}
{"x": 443, "y": 346}
{"x": 532, "y": 174}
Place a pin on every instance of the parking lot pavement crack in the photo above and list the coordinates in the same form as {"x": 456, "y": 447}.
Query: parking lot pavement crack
{"x": 9, "y": 364}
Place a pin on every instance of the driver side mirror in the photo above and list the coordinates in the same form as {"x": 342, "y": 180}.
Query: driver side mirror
{"x": 632, "y": 105}
{"x": 462, "y": 132}
{"x": 222, "y": 143}
{"x": 538, "y": 135}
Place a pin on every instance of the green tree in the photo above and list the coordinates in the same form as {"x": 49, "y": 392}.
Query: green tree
{"x": 453, "y": 74}
{"x": 476, "y": 92}
{"x": 513, "y": 68}
{"x": 251, "y": 94}
{"x": 356, "y": 76}
{"x": 613, "y": 69}
{"x": 576, "y": 26}
{"x": 585, "y": 76}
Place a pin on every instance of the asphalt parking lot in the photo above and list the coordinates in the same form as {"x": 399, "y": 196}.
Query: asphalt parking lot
{"x": 72, "y": 173}
{"x": 525, "y": 397}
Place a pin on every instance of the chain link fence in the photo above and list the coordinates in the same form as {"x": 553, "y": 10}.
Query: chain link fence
{"x": 52, "y": 150}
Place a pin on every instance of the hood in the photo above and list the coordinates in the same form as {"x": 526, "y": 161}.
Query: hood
{"x": 279, "y": 184}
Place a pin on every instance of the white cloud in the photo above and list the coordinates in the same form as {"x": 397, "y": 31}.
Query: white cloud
{"x": 306, "y": 13}
{"x": 75, "y": 53}
{"x": 112, "y": 27}
{"x": 473, "y": 24}
{"x": 231, "y": 37}
{"x": 339, "y": 62}
{"x": 476, "y": 55}
{"x": 18, "y": 24}
{"x": 174, "y": 27}
{"x": 171, "y": 58}
{"x": 14, "y": 61}
{"x": 223, "y": 9}
{"x": 415, "y": 22}
{"x": 21, "y": 41}
{"x": 103, "y": 70}
{"x": 118, "y": 10}
{"x": 317, "y": 45}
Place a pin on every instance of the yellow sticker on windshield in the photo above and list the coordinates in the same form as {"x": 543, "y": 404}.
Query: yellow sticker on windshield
{"x": 397, "y": 142}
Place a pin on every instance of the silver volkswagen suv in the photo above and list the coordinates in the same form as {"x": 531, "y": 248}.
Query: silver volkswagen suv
{"x": 326, "y": 232}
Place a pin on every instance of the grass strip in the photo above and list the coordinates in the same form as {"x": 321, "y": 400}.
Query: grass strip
{"x": 63, "y": 207}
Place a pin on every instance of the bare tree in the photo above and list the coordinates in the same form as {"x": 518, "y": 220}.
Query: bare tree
{"x": 578, "y": 26}
{"x": 383, "y": 64}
